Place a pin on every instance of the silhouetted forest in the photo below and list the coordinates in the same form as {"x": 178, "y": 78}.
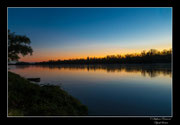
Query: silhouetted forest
{"x": 151, "y": 56}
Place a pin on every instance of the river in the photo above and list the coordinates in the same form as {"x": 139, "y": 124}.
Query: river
{"x": 110, "y": 90}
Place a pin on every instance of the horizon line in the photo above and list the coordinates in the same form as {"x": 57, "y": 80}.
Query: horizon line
{"x": 133, "y": 53}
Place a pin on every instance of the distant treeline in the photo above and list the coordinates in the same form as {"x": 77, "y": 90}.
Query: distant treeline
{"x": 151, "y": 56}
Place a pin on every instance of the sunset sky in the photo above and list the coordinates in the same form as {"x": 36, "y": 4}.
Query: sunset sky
{"x": 66, "y": 33}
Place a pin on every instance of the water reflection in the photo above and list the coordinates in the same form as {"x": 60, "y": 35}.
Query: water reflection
{"x": 151, "y": 70}
{"x": 110, "y": 90}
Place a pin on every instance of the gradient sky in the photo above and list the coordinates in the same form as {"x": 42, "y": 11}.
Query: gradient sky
{"x": 64, "y": 33}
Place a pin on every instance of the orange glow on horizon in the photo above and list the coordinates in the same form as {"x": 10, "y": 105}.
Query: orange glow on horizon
{"x": 46, "y": 56}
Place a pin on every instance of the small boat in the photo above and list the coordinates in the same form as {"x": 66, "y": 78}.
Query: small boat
{"x": 34, "y": 79}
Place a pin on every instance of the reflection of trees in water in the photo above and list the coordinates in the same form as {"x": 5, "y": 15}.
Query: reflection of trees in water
{"x": 154, "y": 73}
{"x": 23, "y": 66}
{"x": 151, "y": 70}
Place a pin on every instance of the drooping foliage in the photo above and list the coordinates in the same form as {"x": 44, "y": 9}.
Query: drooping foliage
{"x": 18, "y": 44}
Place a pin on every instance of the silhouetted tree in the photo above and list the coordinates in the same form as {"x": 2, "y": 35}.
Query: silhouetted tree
{"x": 18, "y": 44}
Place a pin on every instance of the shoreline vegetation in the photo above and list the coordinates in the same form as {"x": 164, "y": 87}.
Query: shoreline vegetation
{"x": 145, "y": 57}
{"x": 26, "y": 98}
{"x": 29, "y": 99}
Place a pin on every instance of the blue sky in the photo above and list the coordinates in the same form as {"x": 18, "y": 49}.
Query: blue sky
{"x": 62, "y": 33}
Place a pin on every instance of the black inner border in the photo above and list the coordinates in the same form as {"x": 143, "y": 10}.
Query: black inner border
{"x": 84, "y": 3}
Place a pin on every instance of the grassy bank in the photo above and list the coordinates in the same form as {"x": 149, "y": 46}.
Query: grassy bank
{"x": 29, "y": 99}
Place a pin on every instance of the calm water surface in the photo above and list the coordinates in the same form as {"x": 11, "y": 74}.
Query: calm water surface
{"x": 111, "y": 90}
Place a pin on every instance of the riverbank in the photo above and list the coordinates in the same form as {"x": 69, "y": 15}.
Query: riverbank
{"x": 29, "y": 99}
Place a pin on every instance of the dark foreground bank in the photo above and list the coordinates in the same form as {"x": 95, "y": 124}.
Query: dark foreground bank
{"x": 29, "y": 99}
